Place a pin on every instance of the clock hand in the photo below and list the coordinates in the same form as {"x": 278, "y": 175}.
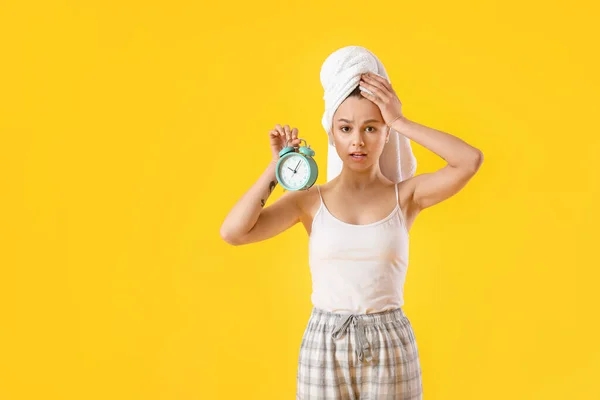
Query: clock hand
{"x": 291, "y": 169}
{"x": 296, "y": 169}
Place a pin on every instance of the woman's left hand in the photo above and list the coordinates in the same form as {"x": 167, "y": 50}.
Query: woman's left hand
{"x": 385, "y": 97}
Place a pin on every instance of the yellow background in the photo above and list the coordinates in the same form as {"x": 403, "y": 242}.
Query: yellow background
{"x": 129, "y": 129}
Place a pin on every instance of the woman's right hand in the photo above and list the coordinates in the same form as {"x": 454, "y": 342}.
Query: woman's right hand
{"x": 279, "y": 137}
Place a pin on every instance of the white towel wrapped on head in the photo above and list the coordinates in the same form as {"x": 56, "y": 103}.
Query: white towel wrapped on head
{"x": 340, "y": 75}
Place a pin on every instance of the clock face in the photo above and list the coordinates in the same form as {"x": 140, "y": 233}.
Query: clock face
{"x": 294, "y": 171}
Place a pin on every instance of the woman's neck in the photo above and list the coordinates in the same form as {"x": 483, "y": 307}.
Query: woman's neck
{"x": 360, "y": 180}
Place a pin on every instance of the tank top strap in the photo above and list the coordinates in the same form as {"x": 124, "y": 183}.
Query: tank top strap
{"x": 319, "y": 190}
{"x": 397, "y": 200}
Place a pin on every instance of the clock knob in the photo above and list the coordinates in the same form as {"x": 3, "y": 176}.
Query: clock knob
{"x": 307, "y": 151}
{"x": 287, "y": 149}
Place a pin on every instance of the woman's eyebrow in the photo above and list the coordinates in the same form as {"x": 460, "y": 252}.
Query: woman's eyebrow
{"x": 365, "y": 122}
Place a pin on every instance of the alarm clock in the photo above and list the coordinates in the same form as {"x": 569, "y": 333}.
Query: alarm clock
{"x": 296, "y": 170}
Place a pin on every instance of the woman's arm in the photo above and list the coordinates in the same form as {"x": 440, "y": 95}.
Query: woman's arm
{"x": 463, "y": 161}
{"x": 249, "y": 222}
{"x": 454, "y": 150}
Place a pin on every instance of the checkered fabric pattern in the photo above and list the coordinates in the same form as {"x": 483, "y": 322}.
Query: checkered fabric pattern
{"x": 359, "y": 357}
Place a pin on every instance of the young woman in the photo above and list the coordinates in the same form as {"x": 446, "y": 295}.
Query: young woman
{"x": 358, "y": 342}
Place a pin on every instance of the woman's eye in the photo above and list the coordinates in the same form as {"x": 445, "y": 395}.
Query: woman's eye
{"x": 344, "y": 127}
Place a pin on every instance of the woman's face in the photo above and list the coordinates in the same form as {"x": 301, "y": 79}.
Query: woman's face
{"x": 359, "y": 133}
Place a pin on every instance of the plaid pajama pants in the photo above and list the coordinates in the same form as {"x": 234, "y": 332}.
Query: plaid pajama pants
{"x": 359, "y": 357}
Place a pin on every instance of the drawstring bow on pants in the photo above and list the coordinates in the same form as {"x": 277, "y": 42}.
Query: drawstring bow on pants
{"x": 363, "y": 343}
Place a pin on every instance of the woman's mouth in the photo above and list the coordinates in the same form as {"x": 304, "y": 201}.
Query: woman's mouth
{"x": 358, "y": 156}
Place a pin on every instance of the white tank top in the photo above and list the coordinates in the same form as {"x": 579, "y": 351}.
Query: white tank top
{"x": 358, "y": 269}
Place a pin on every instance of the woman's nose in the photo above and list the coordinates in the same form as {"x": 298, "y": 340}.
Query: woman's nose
{"x": 357, "y": 141}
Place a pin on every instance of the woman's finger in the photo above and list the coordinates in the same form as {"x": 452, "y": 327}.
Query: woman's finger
{"x": 288, "y": 134}
{"x": 379, "y": 79}
{"x": 379, "y": 82}
{"x": 281, "y": 132}
{"x": 279, "y": 128}
{"x": 376, "y": 88}
{"x": 369, "y": 96}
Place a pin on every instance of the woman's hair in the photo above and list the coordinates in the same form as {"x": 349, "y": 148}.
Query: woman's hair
{"x": 355, "y": 92}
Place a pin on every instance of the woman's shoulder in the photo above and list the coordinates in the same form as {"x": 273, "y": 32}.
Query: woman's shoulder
{"x": 307, "y": 199}
{"x": 308, "y": 202}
